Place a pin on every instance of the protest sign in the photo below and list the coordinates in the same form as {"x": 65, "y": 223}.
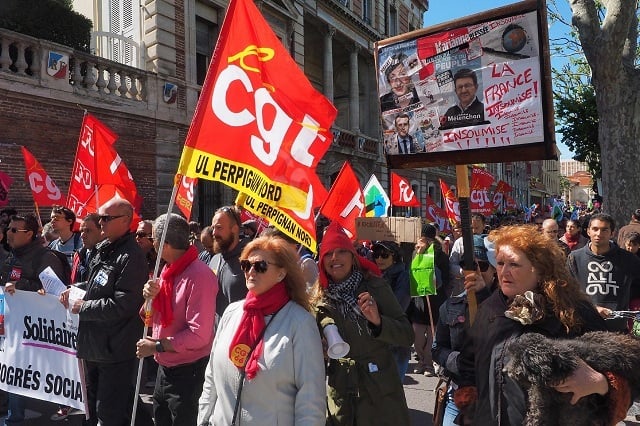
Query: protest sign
{"x": 472, "y": 90}
{"x": 38, "y": 350}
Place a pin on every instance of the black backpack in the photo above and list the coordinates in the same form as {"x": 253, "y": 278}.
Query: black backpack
{"x": 66, "y": 268}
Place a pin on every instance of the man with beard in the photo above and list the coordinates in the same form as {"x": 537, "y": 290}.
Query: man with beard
{"x": 227, "y": 247}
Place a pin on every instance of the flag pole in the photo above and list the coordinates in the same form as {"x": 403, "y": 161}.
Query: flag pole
{"x": 462, "y": 179}
{"x": 35, "y": 205}
{"x": 147, "y": 302}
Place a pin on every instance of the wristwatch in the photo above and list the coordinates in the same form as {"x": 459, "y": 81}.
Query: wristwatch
{"x": 159, "y": 347}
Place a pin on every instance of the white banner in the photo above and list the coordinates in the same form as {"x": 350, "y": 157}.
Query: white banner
{"x": 38, "y": 350}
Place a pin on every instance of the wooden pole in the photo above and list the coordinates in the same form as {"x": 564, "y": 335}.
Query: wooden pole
{"x": 462, "y": 179}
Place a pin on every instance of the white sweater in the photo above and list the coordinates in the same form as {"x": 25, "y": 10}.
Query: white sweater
{"x": 290, "y": 387}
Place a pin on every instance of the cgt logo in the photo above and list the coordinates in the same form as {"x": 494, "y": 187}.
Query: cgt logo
{"x": 44, "y": 185}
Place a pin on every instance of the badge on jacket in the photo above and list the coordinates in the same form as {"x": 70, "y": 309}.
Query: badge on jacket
{"x": 16, "y": 273}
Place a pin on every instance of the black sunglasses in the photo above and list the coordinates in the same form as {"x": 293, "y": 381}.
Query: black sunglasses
{"x": 143, "y": 235}
{"x": 382, "y": 254}
{"x": 259, "y": 266}
{"x": 16, "y": 230}
{"x": 109, "y": 218}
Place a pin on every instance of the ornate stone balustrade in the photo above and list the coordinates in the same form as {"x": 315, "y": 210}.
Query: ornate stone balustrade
{"x": 355, "y": 142}
{"x": 52, "y": 65}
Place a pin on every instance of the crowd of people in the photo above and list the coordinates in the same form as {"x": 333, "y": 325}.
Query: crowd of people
{"x": 242, "y": 322}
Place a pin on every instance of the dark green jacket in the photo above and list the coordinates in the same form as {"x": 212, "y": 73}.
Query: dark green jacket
{"x": 364, "y": 387}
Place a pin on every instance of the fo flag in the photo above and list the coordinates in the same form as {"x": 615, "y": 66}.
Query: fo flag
{"x": 260, "y": 127}
{"x": 345, "y": 201}
{"x": 44, "y": 189}
{"x": 401, "y": 192}
{"x": 83, "y": 187}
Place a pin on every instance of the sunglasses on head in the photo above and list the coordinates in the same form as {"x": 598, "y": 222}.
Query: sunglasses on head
{"x": 382, "y": 254}
{"x": 233, "y": 214}
{"x": 259, "y": 266}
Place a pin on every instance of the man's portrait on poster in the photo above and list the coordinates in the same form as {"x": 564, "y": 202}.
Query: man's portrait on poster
{"x": 468, "y": 110}
{"x": 403, "y": 92}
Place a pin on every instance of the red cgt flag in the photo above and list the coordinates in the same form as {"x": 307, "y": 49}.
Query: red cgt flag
{"x": 452, "y": 207}
{"x": 499, "y": 194}
{"x": 345, "y": 201}
{"x": 184, "y": 196}
{"x": 401, "y": 192}
{"x": 436, "y": 214}
{"x": 260, "y": 127}
{"x": 44, "y": 189}
{"x": 481, "y": 180}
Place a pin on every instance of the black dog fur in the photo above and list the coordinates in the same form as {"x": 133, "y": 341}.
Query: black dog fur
{"x": 537, "y": 363}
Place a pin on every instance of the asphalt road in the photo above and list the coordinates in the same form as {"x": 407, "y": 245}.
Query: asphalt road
{"x": 418, "y": 390}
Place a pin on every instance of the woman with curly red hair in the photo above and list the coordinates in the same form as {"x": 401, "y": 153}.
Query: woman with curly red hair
{"x": 536, "y": 294}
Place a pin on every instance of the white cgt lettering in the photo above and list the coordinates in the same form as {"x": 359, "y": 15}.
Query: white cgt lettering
{"x": 268, "y": 143}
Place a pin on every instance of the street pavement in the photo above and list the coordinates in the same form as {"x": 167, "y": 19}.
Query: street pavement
{"x": 418, "y": 390}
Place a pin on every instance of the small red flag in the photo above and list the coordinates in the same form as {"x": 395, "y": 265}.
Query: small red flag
{"x": 401, "y": 192}
{"x": 452, "y": 206}
{"x": 5, "y": 183}
{"x": 184, "y": 197}
{"x": 345, "y": 201}
{"x": 44, "y": 190}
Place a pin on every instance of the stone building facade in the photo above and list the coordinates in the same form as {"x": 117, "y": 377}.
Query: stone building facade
{"x": 143, "y": 78}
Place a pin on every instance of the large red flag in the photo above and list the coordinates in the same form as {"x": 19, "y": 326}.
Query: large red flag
{"x": 481, "y": 180}
{"x": 452, "y": 207}
{"x": 401, "y": 192}
{"x": 5, "y": 183}
{"x": 345, "y": 201}
{"x": 44, "y": 189}
{"x": 260, "y": 127}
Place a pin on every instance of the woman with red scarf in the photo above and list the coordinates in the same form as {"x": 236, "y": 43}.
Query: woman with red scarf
{"x": 364, "y": 387}
{"x": 266, "y": 365}
{"x": 573, "y": 237}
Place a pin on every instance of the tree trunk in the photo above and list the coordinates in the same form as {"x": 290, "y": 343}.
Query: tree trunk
{"x": 618, "y": 104}
{"x": 610, "y": 49}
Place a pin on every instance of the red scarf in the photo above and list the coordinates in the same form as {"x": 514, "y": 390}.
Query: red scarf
{"x": 252, "y": 326}
{"x": 571, "y": 240}
{"x": 163, "y": 302}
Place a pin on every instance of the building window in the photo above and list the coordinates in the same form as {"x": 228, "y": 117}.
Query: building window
{"x": 206, "y": 36}
{"x": 367, "y": 11}
{"x": 393, "y": 21}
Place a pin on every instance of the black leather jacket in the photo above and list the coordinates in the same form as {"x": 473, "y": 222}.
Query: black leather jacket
{"x": 24, "y": 265}
{"x": 110, "y": 324}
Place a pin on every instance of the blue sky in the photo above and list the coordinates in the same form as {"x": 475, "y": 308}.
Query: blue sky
{"x": 446, "y": 10}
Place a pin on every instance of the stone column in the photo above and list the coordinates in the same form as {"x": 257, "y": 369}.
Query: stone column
{"x": 354, "y": 92}
{"x": 327, "y": 65}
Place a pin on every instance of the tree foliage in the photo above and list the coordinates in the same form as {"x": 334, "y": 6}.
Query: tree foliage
{"x": 52, "y": 20}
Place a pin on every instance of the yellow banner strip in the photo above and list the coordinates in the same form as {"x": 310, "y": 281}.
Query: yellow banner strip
{"x": 242, "y": 177}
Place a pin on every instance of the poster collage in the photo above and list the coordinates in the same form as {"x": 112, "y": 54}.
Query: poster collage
{"x": 471, "y": 87}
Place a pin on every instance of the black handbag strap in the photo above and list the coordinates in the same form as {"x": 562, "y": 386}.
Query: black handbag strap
{"x": 243, "y": 373}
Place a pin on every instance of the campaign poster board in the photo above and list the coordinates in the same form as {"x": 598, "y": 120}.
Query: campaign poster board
{"x": 473, "y": 90}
